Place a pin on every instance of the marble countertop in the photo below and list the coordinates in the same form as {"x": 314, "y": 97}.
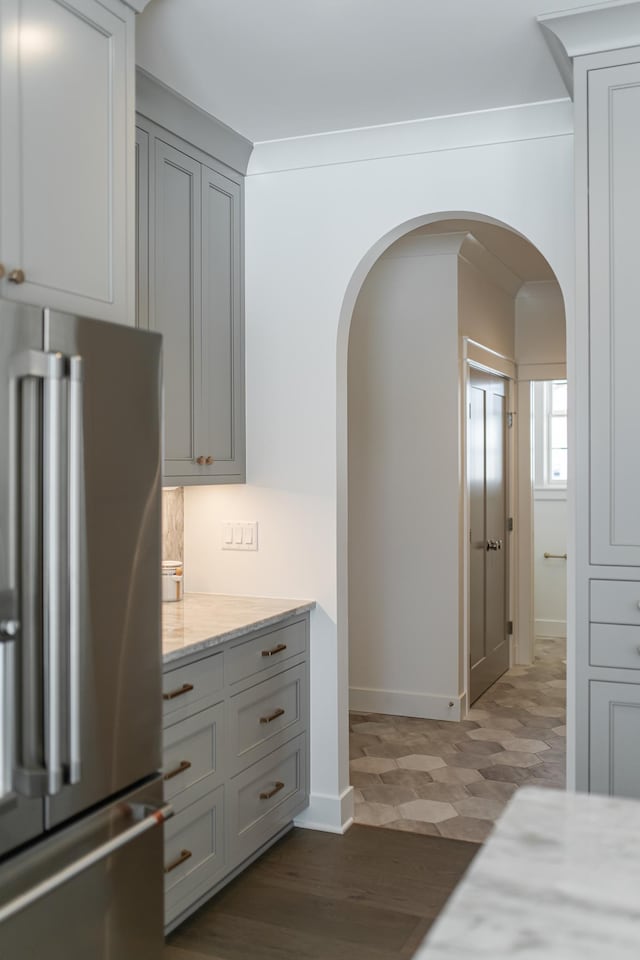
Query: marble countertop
{"x": 204, "y": 620}
{"x": 559, "y": 879}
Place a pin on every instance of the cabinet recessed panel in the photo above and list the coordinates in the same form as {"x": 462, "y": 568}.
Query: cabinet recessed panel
{"x": 615, "y": 739}
{"x": 221, "y": 325}
{"x": 614, "y": 295}
{"x": 176, "y": 306}
{"x": 64, "y": 155}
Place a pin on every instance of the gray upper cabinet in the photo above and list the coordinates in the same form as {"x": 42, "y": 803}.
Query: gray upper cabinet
{"x": 66, "y": 155}
{"x": 614, "y": 294}
{"x": 189, "y": 245}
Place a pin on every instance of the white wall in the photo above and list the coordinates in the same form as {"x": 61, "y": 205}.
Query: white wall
{"x": 550, "y": 576}
{"x": 405, "y": 535}
{"x": 540, "y": 328}
{"x": 486, "y": 311}
{"x": 312, "y": 235}
{"x": 403, "y": 496}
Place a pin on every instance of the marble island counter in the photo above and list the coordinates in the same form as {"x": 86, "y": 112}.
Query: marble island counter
{"x": 203, "y": 620}
{"x": 559, "y": 879}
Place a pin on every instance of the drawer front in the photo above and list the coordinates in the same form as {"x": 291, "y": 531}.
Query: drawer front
{"x": 265, "y": 652}
{"x": 615, "y": 601}
{"x": 614, "y": 645}
{"x": 191, "y": 688}
{"x": 193, "y": 853}
{"x": 191, "y": 760}
{"x": 267, "y": 715}
{"x": 265, "y": 797}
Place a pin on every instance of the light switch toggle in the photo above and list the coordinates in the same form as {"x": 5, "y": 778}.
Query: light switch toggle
{"x": 240, "y": 535}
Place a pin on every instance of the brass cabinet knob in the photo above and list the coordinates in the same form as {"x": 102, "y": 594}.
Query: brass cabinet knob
{"x": 209, "y": 460}
{"x": 200, "y": 460}
{"x": 16, "y": 276}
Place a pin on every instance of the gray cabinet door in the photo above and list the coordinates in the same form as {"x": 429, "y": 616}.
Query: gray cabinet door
{"x": 614, "y": 294}
{"x": 142, "y": 228}
{"x": 222, "y": 329}
{"x": 190, "y": 289}
{"x": 175, "y": 305}
{"x": 614, "y": 738}
{"x": 65, "y": 149}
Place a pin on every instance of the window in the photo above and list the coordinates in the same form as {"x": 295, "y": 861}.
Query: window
{"x": 550, "y": 434}
{"x": 556, "y": 424}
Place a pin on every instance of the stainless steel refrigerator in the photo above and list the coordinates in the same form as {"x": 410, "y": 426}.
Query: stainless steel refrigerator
{"x": 80, "y": 658}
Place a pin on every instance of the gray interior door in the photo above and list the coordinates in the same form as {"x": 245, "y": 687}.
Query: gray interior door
{"x": 489, "y": 646}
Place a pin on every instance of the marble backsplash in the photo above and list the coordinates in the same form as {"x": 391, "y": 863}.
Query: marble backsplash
{"x": 173, "y": 523}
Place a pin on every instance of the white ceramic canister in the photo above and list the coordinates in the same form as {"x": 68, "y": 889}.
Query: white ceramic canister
{"x": 172, "y": 573}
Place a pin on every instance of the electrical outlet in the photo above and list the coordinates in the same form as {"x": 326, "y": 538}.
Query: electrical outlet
{"x": 240, "y": 535}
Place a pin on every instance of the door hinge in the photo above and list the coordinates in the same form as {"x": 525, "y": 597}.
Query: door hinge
{"x": 510, "y": 416}
{"x": 509, "y": 628}
{"x": 510, "y": 524}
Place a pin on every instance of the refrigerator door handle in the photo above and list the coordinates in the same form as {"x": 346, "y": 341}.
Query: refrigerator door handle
{"x": 52, "y": 568}
{"x": 75, "y": 515}
{"x": 144, "y": 820}
{"x": 51, "y": 369}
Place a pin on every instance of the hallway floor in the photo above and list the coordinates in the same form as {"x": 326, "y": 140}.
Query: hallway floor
{"x": 453, "y": 779}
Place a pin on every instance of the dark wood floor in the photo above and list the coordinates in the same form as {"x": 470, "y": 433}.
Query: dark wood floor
{"x": 369, "y": 895}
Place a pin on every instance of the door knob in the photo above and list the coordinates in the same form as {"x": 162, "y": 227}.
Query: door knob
{"x": 492, "y": 544}
{"x": 200, "y": 460}
{"x": 16, "y": 276}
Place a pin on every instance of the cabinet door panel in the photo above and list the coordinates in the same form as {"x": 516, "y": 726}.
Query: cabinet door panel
{"x": 175, "y": 311}
{"x": 64, "y": 136}
{"x": 223, "y": 382}
{"x": 615, "y": 739}
{"x": 614, "y": 294}
{"x": 142, "y": 228}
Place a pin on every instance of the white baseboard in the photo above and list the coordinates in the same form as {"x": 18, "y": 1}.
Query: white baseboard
{"x": 333, "y": 814}
{"x": 400, "y": 703}
{"x": 551, "y": 628}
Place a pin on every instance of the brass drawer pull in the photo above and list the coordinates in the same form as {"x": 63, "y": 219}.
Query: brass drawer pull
{"x": 183, "y": 765}
{"x": 267, "y": 794}
{"x": 172, "y": 694}
{"x": 184, "y": 855}
{"x": 278, "y": 712}
{"x": 270, "y": 653}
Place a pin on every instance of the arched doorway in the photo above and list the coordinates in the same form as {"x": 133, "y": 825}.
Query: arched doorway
{"x": 439, "y": 302}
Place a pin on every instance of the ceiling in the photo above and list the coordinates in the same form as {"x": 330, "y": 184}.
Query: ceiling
{"x": 274, "y": 69}
{"x": 516, "y": 253}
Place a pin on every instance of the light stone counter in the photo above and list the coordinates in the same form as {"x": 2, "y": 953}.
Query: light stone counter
{"x": 559, "y": 879}
{"x": 204, "y": 620}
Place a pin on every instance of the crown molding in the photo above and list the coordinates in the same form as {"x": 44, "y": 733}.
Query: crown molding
{"x": 460, "y": 244}
{"x": 137, "y": 5}
{"x": 529, "y": 121}
{"x": 166, "y": 107}
{"x": 587, "y": 30}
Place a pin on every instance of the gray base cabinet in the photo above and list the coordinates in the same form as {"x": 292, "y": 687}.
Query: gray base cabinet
{"x": 236, "y": 728}
{"x": 66, "y": 156}
{"x": 189, "y": 255}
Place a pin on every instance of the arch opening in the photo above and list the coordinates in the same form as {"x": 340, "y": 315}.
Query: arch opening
{"x": 416, "y": 318}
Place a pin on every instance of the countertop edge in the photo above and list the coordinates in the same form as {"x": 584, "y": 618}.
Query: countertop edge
{"x": 218, "y": 639}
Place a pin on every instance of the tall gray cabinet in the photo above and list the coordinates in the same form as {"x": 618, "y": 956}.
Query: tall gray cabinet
{"x": 598, "y": 51}
{"x": 190, "y": 289}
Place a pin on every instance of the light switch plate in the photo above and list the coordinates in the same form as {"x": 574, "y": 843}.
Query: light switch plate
{"x": 240, "y": 535}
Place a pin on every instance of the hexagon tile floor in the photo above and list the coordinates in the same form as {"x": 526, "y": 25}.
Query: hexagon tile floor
{"x": 453, "y": 779}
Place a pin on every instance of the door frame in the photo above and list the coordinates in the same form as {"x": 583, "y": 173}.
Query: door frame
{"x": 524, "y": 613}
{"x": 474, "y": 355}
